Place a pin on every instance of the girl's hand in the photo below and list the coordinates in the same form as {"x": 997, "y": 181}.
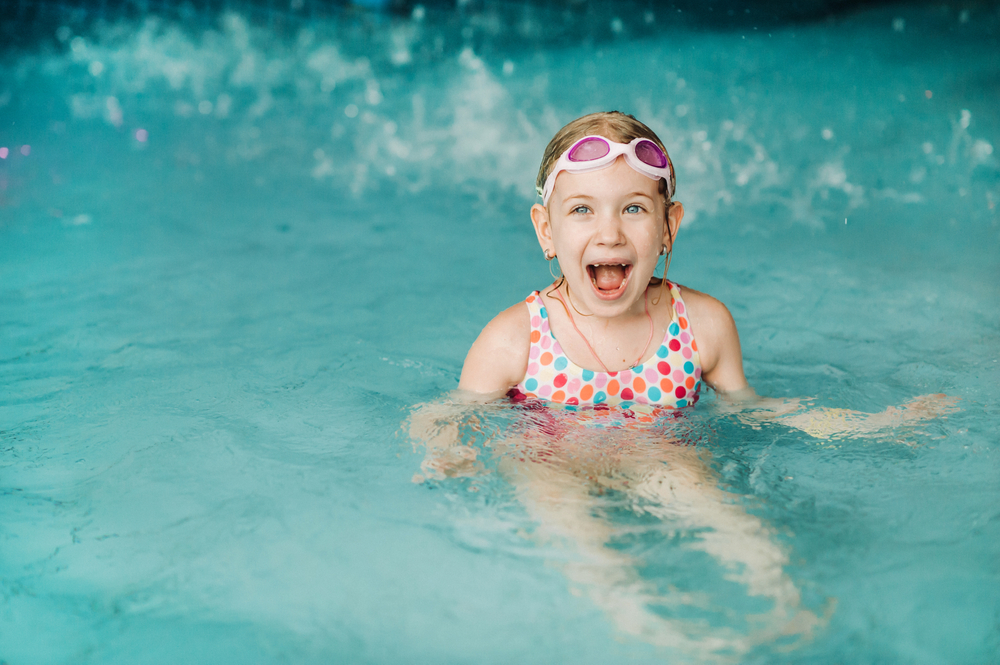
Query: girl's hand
{"x": 440, "y": 428}
{"x": 458, "y": 461}
{"x": 926, "y": 407}
{"x": 824, "y": 423}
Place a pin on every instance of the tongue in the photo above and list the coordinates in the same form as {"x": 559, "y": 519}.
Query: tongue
{"x": 609, "y": 278}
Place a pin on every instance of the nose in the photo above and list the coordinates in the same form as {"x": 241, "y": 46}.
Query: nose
{"x": 609, "y": 230}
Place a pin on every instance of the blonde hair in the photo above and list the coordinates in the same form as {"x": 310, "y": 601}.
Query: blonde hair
{"x": 614, "y": 125}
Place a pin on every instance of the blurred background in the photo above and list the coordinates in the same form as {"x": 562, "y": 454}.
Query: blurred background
{"x": 240, "y": 240}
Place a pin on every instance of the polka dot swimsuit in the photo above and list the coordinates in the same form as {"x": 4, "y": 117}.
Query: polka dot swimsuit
{"x": 671, "y": 378}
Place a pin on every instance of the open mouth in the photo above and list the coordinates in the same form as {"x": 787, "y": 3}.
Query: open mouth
{"x": 609, "y": 279}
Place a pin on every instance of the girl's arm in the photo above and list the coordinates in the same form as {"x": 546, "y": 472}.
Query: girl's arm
{"x": 722, "y": 369}
{"x": 498, "y": 358}
{"x": 825, "y": 423}
{"x": 718, "y": 342}
{"x": 496, "y": 362}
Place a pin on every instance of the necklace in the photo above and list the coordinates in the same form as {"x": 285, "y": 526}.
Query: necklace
{"x": 645, "y": 302}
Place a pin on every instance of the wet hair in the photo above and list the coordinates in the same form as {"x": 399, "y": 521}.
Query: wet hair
{"x": 614, "y": 125}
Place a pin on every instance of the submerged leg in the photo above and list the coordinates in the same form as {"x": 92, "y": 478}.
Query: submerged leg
{"x": 559, "y": 495}
{"x": 676, "y": 485}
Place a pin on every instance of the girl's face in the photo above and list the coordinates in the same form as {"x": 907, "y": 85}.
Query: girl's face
{"x": 607, "y": 228}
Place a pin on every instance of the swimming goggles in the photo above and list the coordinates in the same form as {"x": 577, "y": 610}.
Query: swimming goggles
{"x": 592, "y": 153}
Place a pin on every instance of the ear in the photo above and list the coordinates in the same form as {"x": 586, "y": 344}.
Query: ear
{"x": 543, "y": 227}
{"x": 675, "y": 213}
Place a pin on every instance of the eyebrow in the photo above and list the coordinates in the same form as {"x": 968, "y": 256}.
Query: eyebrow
{"x": 642, "y": 194}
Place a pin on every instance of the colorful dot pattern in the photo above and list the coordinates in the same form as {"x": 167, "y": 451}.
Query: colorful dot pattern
{"x": 671, "y": 378}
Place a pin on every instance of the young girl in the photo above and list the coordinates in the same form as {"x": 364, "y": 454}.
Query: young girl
{"x": 607, "y": 331}
{"x": 620, "y": 355}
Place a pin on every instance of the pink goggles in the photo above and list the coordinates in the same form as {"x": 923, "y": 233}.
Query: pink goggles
{"x": 592, "y": 153}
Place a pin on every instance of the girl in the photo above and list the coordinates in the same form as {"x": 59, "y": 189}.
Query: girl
{"x": 621, "y": 353}
{"x": 608, "y": 331}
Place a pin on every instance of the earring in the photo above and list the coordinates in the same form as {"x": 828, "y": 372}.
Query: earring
{"x": 663, "y": 250}
{"x": 548, "y": 257}
{"x": 554, "y": 276}
{"x": 663, "y": 280}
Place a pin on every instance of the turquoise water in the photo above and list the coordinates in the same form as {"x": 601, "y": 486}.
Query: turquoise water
{"x": 236, "y": 253}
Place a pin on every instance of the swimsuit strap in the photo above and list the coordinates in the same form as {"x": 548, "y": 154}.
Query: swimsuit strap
{"x": 645, "y": 302}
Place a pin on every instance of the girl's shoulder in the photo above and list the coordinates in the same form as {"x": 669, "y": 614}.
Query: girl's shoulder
{"x": 513, "y": 322}
{"x": 702, "y": 306}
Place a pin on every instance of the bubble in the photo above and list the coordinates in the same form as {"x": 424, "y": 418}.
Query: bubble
{"x": 508, "y": 67}
{"x": 617, "y": 26}
{"x": 141, "y": 135}
{"x": 681, "y": 110}
{"x": 95, "y": 68}
{"x": 351, "y": 111}
{"x": 418, "y": 13}
{"x": 113, "y": 111}
{"x": 827, "y": 134}
{"x": 468, "y": 59}
{"x": 223, "y": 105}
{"x": 372, "y": 93}
{"x": 4, "y": 152}
{"x": 25, "y": 150}
{"x": 898, "y": 24}
{"x": 981, "y": 150}
{"x": 399, "y": 148}
{"x": 204, "y": 107}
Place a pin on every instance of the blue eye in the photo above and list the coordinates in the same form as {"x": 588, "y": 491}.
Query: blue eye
{"x": 581, "y": 210}
{"x": 633, "y": 209}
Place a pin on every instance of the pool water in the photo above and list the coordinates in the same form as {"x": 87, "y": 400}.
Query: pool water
{"x": 235, "y": 252}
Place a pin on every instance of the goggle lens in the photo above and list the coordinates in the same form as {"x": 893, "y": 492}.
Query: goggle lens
{"x": 650, "y": 153}
{"x": 588, "y": 150}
